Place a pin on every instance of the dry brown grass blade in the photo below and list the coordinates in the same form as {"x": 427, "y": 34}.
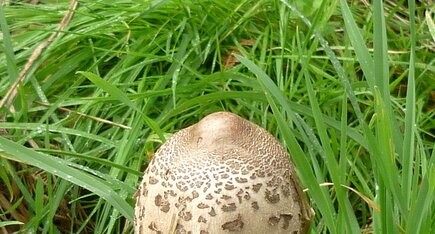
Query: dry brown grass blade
{"x": 87, "y": 116}
{"x": 5, "y": 204}
{"x": 371, "y": 203}
{"x": 12, "y": 92}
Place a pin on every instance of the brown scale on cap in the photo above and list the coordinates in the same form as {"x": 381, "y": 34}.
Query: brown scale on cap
{"x": 221, "y": 175}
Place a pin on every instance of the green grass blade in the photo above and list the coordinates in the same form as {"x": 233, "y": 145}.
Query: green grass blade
{"x": 8, "y": 47}
{"x": 423, "y": 202}
{"x": 44, "y": 128}
{"x": 409, "y": 134}
{"x": 121, "y": 96}
{"x": 92, "y": 159}
{"x": 7, "y": 223}
{"x": 387, "y": 174}
{"x": 381, "y": 72}
{"x": 361, "y": 50}
{"x": 380, "y": 49}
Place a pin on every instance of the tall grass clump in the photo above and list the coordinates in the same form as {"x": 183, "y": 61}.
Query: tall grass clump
{"x": 90, "y": 90}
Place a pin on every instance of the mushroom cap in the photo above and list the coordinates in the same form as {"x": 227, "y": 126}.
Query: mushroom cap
{"x": 222, "y": 174}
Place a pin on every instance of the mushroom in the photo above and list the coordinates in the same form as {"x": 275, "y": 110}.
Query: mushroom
{"x": 223, "y": 174}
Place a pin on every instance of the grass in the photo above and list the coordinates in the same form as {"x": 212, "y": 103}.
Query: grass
{"x": 346, "y": 86}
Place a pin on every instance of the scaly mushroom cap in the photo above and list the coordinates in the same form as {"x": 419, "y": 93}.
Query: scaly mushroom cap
{"x": 223, "y": 174}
